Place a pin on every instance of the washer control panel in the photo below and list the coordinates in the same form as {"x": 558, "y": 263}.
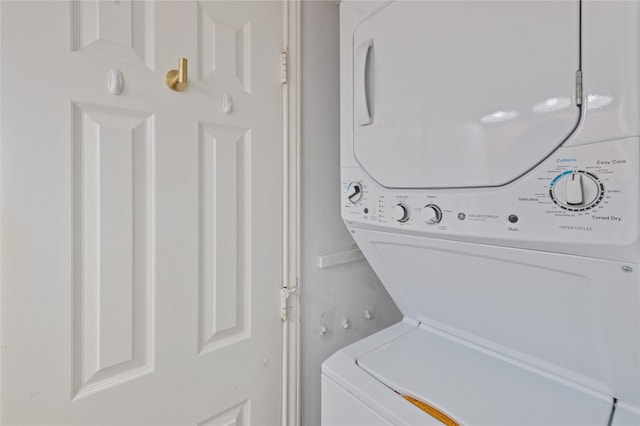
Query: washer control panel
{"x": 580, "y": 194}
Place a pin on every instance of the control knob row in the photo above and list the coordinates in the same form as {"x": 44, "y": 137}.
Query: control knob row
{"x": 431, "y": 213}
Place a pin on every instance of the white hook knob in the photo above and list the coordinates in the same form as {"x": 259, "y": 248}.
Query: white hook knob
{"x": 345, "y": 323}
{"x": 227, "y": 103}
{"x": 367, "y": 314}
{"x": 115, "y": 81}
{"x": 323, "y": 331}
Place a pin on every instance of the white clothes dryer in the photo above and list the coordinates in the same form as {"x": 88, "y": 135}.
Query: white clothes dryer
{"x": 490, "y": 157}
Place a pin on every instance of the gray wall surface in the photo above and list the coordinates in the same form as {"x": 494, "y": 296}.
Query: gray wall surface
{"x": 342, "y": 292}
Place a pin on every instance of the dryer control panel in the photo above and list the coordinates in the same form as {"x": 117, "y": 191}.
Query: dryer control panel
{"x": 587, "y": 194}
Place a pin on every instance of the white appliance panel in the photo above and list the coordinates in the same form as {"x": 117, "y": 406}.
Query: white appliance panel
{"x": 626, "y": 416}
{"x": 343, "y": 372}
{"x": 340, "y": 408}
{"x": 530, "y": 246}
{"x": 611, "y": 66}
{"x": 463, "y": 94}
{"x": 474, "y": 387}
{"x": 572, "y": 316}
{"x": 525, "y": 213}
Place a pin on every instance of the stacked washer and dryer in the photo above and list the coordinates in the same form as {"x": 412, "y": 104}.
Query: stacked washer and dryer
{"x": 491, "y": 176}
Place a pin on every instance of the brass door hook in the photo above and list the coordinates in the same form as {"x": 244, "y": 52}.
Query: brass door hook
{"x": 177, "y": 79}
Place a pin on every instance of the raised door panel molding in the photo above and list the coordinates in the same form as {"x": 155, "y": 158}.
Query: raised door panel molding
{"x": 234, "y": 416}
{"x": 120, "y": 30}
{"x": 224, "y": 50}
{"x": 114, "y": 246}
{"x": 225, "y": 240}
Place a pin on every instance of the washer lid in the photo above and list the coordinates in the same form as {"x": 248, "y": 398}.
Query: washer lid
{"x": 463, "y": 94}
{"x": 475, "y": 388}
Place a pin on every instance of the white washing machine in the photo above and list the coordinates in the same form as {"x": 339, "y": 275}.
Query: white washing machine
{"x": 491, "y": 176}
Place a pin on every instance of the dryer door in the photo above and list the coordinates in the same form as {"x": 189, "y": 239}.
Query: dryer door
{"x": 463, "y": 94}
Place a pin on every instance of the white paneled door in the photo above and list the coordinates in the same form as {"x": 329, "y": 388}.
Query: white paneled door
{"x": 141, "y": 232}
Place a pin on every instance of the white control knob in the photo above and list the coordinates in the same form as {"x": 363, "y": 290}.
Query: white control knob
{"x": 431, "y": 214}
{"x": 401, "y": 212}
{"x": 576, "y": 190}
{"x": 354, "y": 192}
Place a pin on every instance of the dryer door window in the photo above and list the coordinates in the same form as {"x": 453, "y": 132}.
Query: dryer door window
{"x": 463, "y": 94}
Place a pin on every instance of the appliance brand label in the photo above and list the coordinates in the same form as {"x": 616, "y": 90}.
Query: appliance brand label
{"x": 483, "y": 216}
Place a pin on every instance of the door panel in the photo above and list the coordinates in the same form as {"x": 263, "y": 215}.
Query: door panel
{"x": 140, "y": 233}
{"x": 121, "y": 31}
{"x": 113, "y": 160}
{"x": 225, "y": 48}
{"x": 225, "y": 166}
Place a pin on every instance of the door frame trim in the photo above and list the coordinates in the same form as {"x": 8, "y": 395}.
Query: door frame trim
{"x": 290, "y": 335}
{"x": 2, "y": 229}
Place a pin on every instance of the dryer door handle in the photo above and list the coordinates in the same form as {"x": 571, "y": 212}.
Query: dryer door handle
{"x": 361, "y": 96}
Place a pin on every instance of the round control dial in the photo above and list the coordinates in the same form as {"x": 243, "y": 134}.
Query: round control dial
{"x": 431, "y": 214}
{"x": 576, "y": 190}
{"x": 401, "y": 212}
{"x": 354, "y": 192}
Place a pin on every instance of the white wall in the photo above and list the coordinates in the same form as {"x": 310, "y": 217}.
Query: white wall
{"x": 327, "y": 295}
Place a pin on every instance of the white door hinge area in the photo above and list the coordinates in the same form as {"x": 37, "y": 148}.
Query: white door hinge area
{"x": 283, "y": 67}
{"x": 285, "y": 292}
{"x": 578, "y": 87}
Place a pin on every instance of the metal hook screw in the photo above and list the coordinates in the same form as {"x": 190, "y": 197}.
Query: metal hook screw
{"x": 177, "y": 79}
